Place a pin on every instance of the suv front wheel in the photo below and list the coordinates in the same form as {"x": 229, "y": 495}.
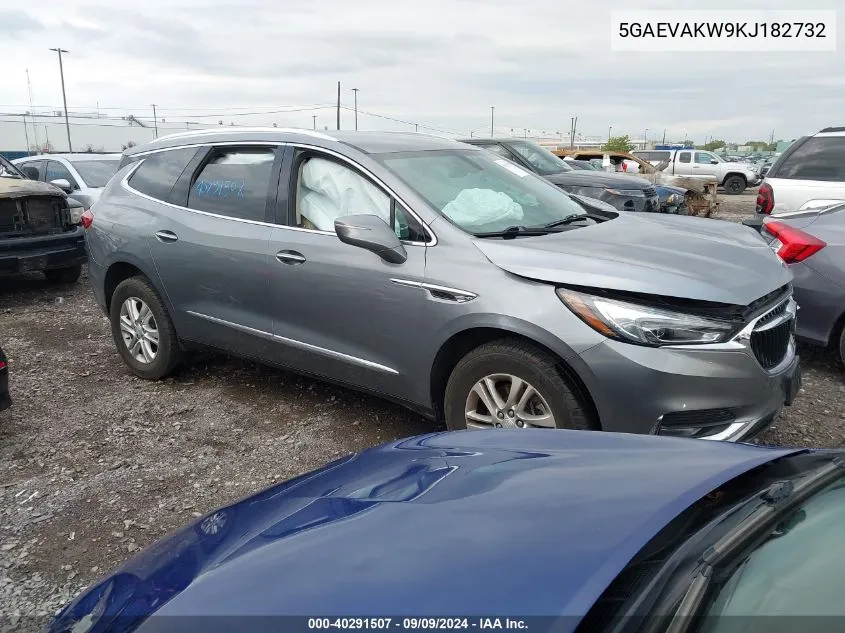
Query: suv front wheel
{"x": 142, "y": 329}
{"x": 513, "y": 385}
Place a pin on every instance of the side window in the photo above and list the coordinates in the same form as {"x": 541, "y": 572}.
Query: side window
{"x": 57, "y": 171}
{"x": 819, "y": 158}
{"x": 160, "y": 171}
{"x": 684, "y": 157}
{"x": 703, "y": 158}
{"x": 33, "y": 169}
{"x": 234, "y": 182}
{"x": 660, "y": 156}
{"x": 327, "y": 190}
{"x": 499, "y": 150}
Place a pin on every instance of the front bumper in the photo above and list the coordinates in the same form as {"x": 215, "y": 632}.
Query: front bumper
{"x": 43, "y": 252}
{"x": 717, "y": 391}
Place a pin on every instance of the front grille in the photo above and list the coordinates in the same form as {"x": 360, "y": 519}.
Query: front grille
{"x": 36, "y": 215}
{"x": 771, "y": 345}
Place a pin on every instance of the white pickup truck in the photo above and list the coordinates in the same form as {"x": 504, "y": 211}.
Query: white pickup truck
{"x": 734, "y": 177}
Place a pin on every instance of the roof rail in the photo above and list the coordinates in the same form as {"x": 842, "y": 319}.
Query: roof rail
{"x": 229, "y": 130}
{"x": 832, "y": 129}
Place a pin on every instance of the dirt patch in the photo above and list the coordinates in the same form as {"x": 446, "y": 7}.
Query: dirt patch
{"x": 96, "y": 464}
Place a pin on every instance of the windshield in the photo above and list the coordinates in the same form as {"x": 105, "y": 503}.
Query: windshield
{"x": 95, "y": 173}
{"x": 479, "y": 191}
{"x": 539, "y": 158}
{"x": 799, "y": 570}
{"x": 8, "y": 170}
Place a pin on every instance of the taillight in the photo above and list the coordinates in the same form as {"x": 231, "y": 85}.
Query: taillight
{"x": 2, "y": 365}
{"x": 765, "y": 198}
{"x": 87, "y": 219}
{"x": 792, "y": 245}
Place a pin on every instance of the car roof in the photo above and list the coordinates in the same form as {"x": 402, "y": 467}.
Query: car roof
{"x": 472, "y": 522}
{"x": 367, "y": 142}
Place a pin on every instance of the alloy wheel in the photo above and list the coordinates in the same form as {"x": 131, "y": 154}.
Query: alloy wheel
{"x": 139, "y": 330}
{"x": 507, "y": 401}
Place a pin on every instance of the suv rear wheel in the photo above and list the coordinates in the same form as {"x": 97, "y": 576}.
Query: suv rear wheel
{"x": 142, "y": 329}
{"x": 511, "y": 384}
{"x": 63, "y": 275}
{"x": 734, "y": 185}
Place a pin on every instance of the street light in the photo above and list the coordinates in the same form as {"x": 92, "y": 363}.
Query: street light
{"x": 64, "y": 98}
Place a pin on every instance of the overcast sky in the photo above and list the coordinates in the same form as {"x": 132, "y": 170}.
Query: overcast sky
{"x": 441, "y": 63}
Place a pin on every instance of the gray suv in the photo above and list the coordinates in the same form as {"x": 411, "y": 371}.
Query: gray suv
{"x": 443, "y": 277}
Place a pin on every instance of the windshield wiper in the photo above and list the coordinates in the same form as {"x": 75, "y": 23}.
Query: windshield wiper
{"x": 569, "y": 219}
{"x": 518, "y": 231}
{"x": 780, "y": 497}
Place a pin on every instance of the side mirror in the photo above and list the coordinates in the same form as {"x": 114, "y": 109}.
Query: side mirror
{"x": 62, "y": 184}
{"x": 372, "y": 233}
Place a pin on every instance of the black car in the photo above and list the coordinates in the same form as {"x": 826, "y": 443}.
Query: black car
{"x": 39, "y": 228}
{"x": 5, "y": 400}
{"x": 625, "y": 193}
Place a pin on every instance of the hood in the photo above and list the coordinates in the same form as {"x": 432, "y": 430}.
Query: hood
{"x": 585, "y": 178}
{"x": 373, "y": 534}
{"x": 669, "y": 255}
{"x": 19, "y": 188}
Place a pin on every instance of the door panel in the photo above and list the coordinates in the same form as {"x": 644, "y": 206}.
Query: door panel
{"x": 703, "y": 168}
{"x": 683, "y": 163}
{"x": 215, "y": 268}
{"x": 337, "y": 313}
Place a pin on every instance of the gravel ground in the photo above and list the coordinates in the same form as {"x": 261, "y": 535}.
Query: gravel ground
{"x": 96, "y": 464}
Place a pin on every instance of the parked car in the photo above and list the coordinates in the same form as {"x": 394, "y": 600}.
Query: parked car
{"x": 673, "y": 192}
{"x": 81, "y": 175}
{"x": 626, "y": 193}
{"x": 632, "y": 530}
{"x": 734, "y": 177}
{"x": 812, "y": 243}
{"x": 443, "y": 277}
{"x": 5, "y": 398}
{"x": 39, "y": 229}
{"x": 810, "y": 174}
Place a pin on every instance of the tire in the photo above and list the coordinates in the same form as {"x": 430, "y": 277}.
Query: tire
{"x": 842, "y": 347}
{"x": 734, "y": 185}
{"x": 64, "y": 275}
{"x": 524, "y": 361}
{"x": 166, "y": 351}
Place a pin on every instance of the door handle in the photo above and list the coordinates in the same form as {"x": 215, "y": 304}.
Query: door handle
{"x": 166, "y": 236}
{"x": 292, "y": 258}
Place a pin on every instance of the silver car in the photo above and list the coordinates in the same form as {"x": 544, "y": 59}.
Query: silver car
{"x": 81, "y": 176}
{"x": 443, "y": 277}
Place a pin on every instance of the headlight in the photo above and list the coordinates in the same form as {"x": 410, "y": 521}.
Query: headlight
{"x": 673, "y": 198}
{"x": 631, "y": 193}
{"x": 76, "y": 214}
{"x": 634, "y": 323}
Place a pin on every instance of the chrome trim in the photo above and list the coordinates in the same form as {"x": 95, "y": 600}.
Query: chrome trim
{"x": 125, "y": 184}
{"x": 733, "y": 431}
{"x": 290, "y": 257}
{"x": 461, "y": 296}
{"x": 379, "y": 182}
{"x": 742, "y": 340}
{"x": 299, "y": 344}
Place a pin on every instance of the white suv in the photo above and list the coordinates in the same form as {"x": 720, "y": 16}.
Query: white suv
{"x": 809, "y": 175}
{"x": 82, "y": 176}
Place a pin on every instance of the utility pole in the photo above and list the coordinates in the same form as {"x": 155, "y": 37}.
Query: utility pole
{"x": 609, "y": 130}
{"x": 492, "y": 109}
{"x": 416, "y": 127}
{"x": 314, "y": 117}
{"x": 155, "y": 120}
{"x": 25, "y": 133}
{"x": 338, "y": 105}
{"x": 645, "y": 138}
{"x": 355, "y": 90}
{"x": 64, "y": 97}
{"x": 32, "y": 110}
{"x": 664, "y": 136}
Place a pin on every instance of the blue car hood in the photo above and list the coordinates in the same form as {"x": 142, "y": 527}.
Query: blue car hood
{"x": 473, "y": 523}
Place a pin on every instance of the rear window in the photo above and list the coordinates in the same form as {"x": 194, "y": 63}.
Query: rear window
{"x": 653, "y": 156}
{"x": 818, "y": 158}
{"x": 160, "y": 171}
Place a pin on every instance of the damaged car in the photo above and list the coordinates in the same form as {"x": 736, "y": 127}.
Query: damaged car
{"x": 443, "y": 277}
{"x": 39, "y": 228}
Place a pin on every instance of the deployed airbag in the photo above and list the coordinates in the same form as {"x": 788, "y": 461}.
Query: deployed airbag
{"x": 477, "y": 207}
{"x": 330, "y": 191}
